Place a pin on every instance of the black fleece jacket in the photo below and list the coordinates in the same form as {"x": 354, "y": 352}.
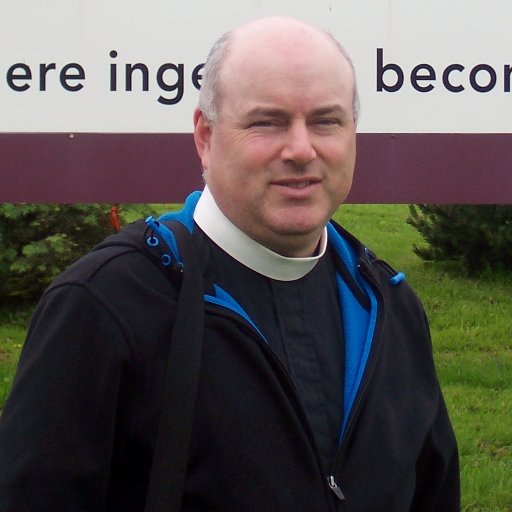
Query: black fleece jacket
{"x": 78, "y": 429}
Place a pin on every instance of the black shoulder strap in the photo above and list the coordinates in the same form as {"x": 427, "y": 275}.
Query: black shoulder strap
{"x": 170, "y": 458}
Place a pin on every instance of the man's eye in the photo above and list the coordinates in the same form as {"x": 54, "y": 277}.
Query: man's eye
{"x": 262, "y": 123}
{"x": 327, "y": 121}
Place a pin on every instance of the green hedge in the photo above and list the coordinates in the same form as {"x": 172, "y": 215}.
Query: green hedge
{"x": 38, "y": 241}
{"x": 479, "y": 236}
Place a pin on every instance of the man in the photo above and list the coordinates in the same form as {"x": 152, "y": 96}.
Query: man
{"x": 317, "y": 389}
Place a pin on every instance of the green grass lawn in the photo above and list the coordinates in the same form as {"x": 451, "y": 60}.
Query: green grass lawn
{"x": 471, "y": 321}
{"x": 11, "y": 340}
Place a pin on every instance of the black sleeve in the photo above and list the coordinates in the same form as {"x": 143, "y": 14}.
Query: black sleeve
{"x": 437, "y": 470}
{"x": 58, "y": 425}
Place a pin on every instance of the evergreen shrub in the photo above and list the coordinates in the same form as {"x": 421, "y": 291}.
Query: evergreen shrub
{"x": 38, "y": 241}
{"x": 478, "y": 236}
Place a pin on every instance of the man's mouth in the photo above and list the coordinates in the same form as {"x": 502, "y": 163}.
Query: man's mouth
{"x": 302, "y": 184}
{"x": 296, "y": 183}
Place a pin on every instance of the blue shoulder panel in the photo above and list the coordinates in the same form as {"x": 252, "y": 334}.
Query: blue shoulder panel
{"x": 186, "y": 214}
{"x": 161, "y": 233}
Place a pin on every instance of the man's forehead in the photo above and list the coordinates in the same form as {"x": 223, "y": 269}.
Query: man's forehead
{"x": 285, "y": 64}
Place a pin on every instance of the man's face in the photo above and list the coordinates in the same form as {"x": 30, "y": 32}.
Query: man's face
{"x": 280, "y": 157}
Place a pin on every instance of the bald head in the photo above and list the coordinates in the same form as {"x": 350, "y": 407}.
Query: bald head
{"x": 276, "y": 39}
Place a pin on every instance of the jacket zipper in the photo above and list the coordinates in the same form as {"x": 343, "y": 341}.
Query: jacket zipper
{"x": 335, "y": 489}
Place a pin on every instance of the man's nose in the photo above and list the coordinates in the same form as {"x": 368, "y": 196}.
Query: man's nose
{"x": 298, "y": 147}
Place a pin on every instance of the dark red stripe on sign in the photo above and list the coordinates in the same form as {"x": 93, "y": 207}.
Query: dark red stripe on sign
{"x": 161, "y": 168}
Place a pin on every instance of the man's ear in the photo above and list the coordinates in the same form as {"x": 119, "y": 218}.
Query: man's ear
{"x": 202, "y": 137}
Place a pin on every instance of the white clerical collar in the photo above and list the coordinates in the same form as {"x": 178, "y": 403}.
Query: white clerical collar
{"x": 246, "y": 250}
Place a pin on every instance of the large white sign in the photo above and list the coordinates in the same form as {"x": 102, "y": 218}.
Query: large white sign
{"x": 442, "y": 66}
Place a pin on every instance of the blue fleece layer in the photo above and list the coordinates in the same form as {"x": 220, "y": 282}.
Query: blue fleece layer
{"x": 358, "y": 323}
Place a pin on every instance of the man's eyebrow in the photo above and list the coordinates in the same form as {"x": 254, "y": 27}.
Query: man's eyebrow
{"x": 278, "y": 112}
{"x": 266, "y": 112}
{"x": 329, "y": 109}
